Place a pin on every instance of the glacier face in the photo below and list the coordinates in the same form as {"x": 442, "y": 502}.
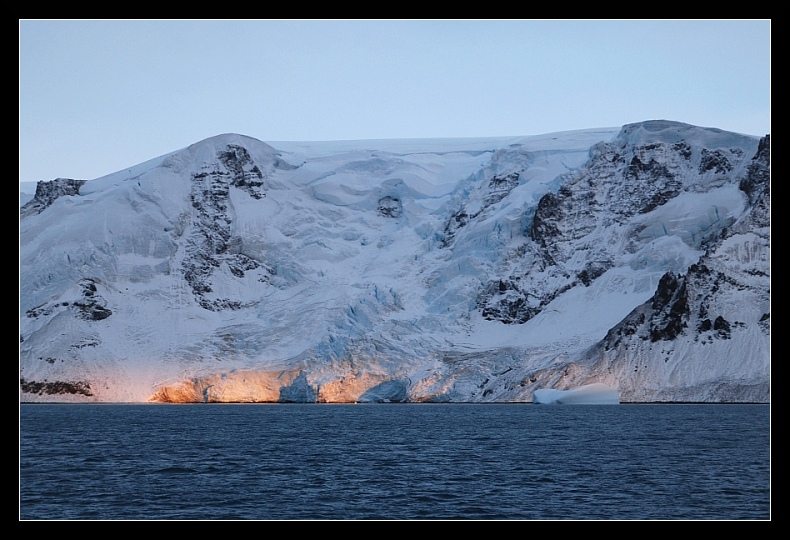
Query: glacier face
{"x": 413, "y": 270}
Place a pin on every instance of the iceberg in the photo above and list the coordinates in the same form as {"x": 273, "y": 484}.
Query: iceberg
{"x": 591, "y": 394}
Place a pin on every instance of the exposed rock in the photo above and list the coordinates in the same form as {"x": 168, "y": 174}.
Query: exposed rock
{"x": 689, "y": 314}
{"x": 390, "y": 207}
{"x": 49, "y": 192}
{"x": 715, "y": 161}
{"x": 621, "y": 182}
{"x": 55, "y": 388}
{"x": 91, "y": 307}
{"x": 210, "y": 244}
{"x": 670, "y": 305}
{"x": 244, "y": 173}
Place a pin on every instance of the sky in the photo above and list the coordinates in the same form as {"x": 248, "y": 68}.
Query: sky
{"x": 98, "y": 96}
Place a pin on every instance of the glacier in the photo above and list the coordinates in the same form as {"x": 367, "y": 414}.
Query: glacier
{"x": 437, "y": 270}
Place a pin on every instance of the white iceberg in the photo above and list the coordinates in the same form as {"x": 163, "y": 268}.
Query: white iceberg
{"x": 591, "y": 394}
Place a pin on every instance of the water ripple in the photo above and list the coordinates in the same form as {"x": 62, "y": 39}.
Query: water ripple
{"x": 396, "y": 462}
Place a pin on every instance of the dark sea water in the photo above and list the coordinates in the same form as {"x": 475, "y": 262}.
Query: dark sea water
{"x": 394, "y": 462}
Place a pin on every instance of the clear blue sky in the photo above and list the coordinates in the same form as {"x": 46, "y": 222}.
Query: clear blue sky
{"x": 96, "y": 97}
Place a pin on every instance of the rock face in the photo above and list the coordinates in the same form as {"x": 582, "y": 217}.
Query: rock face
{"x": 211, "y": 246}
{"x": 705, "y": 315}
{"x": 447, "y": 271}
{"x": 593, "y": 210}
{"x": 47, "y": 192}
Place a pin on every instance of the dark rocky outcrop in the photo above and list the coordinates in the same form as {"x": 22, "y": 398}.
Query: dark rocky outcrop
{"x": 49, "y": 192}
{"x": 757, "y": 183}
{"x": 670, "y": 303}
{"x": 211, "y": 244}
{"x": 490, "y": 192}
{"x": 244, "y": 173}
{"x": 55, "y": 387}
{"x": 90, "y": 307}
{"x": 390, "y": 207}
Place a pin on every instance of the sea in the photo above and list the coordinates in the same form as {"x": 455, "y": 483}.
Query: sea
{"x": 433, "y": 462}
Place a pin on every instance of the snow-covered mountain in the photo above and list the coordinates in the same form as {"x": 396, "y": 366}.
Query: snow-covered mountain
{"x": 453, "y": 270}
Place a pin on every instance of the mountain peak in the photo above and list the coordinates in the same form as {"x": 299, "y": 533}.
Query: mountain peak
{"x": 226, "y": 139}
{"x": 672, "y": 132}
